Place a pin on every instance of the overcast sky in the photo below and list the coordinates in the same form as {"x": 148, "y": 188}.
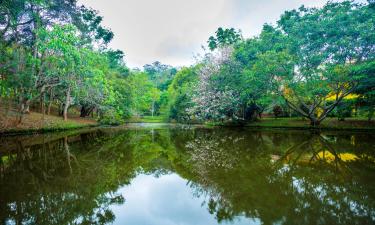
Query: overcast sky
{"x": 172, "y": 31}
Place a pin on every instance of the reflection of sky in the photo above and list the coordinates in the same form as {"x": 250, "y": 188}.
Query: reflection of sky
{"x": 163, "y": 201}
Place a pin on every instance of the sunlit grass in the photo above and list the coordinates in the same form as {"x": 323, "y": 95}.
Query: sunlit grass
{"x": 148, "y": 119}
{"x": 329, "y": 123}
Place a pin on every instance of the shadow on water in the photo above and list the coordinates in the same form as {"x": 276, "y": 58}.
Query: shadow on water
{"x": 271, "y": 177}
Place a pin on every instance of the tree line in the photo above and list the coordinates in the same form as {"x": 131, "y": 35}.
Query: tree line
{"x": 314, "y": 63}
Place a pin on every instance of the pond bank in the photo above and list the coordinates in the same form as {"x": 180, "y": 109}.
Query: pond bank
{"x": 56, "y": 124}
{"x": 34, "y": 123}
{"x": 352, "y": 124}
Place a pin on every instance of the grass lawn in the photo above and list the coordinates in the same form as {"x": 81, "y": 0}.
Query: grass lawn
{"x": 329, "y": 123}
{"x": 148, "y": 119}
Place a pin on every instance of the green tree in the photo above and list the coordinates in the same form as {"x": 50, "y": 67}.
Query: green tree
{"x": 325, "y": 45}
{"x": 224, "y": 37}
{"x": 180, "y": 93}
{"x": 142, "y": 93}
{"x": 61, "y": 48}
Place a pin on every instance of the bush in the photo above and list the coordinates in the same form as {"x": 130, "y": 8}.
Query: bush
{"x": 111, "y": 117}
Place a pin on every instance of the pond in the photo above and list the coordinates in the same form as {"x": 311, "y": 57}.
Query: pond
{"x": 187, "y": 175}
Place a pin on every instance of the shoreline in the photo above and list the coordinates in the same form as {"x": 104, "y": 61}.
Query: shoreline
{"x": 16, "y": 132}
{"x": 267, "y": 124}
{"x": 366, "y": 129}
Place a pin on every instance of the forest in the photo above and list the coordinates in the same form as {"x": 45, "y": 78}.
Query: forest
{"x": 313, "y": 63}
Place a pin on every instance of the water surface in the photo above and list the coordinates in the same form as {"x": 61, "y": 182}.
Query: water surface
{"x": 182, "y": 175}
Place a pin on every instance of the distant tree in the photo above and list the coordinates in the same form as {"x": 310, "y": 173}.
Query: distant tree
{"x": 160, "y": 74}
{"x": 155, "y": 97}
{"x": 142, "y": 93}
{"x": 180, "y": 93}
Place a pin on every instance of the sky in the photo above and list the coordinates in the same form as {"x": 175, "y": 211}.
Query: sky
{"x": 173, "y": 31}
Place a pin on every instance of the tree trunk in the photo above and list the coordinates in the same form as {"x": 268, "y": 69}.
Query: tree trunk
{"x": 42, "y": 108}
{"x": 153, "y": 109}
{"x": 24, "y": 109}
{"x": 61, "y": 109}
{"x": 67, "y": 103}
{"x": 370, "y": 113}
{"x": 50, "y": 102}
{"x": 49, "y": 108}
{"x": 314, "y": 122}
{"x": 83, "y": 111}
{"x": 27, "y": 107}
{"x": 86, "y": 111}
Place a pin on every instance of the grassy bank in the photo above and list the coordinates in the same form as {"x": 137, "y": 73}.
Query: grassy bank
{"x": 147, "y": 119}
{"x": 327, "y": 124}
{"x": 280, "y": 123}
{"x": 37, "y": 123}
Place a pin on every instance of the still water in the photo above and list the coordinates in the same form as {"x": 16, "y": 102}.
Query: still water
{"x": 165, "y": 175}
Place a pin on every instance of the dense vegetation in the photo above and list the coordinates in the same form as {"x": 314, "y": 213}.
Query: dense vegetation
{"x": 316, "y": 62}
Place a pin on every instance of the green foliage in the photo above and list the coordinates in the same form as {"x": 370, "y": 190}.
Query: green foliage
{"x": 111, "y": 117}
{"x": 161, "y": 76}
{"x": 180, "y": 93}
{"x": 313, "y": 59}
{"x": 58, "y": 52}
{"x": 142, "y": 93}
{"x": 325, "y": 45}
{"x": 224, "y": 37}
{"x": 344, "y": 110}
{"x": 310, "y": 62}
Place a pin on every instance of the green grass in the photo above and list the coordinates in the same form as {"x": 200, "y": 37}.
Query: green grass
{"x": 34, "y": 123}
{"x": 148, "y": 119}
{"x": 291, "y": 123}
{"x": 329, "y": 123}
{"x": 47, "y": 129}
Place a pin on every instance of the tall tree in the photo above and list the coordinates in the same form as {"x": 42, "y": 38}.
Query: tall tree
{"x": 325, "y": 45}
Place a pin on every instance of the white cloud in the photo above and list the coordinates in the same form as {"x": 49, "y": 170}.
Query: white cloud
{"x": 171, "y": 31}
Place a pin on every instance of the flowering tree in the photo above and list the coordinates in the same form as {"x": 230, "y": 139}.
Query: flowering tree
{"x": 213, "y": 100}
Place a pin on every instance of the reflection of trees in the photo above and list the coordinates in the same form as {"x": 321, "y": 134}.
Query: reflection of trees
{"x": 73, "y": 179}
{"x": 286, "y": 178}
{"x": 237, "y": 173}
{"x": 55, "y": 183}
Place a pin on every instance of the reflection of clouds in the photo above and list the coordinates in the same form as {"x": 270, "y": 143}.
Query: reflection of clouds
{"x": 165, "y": 200}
